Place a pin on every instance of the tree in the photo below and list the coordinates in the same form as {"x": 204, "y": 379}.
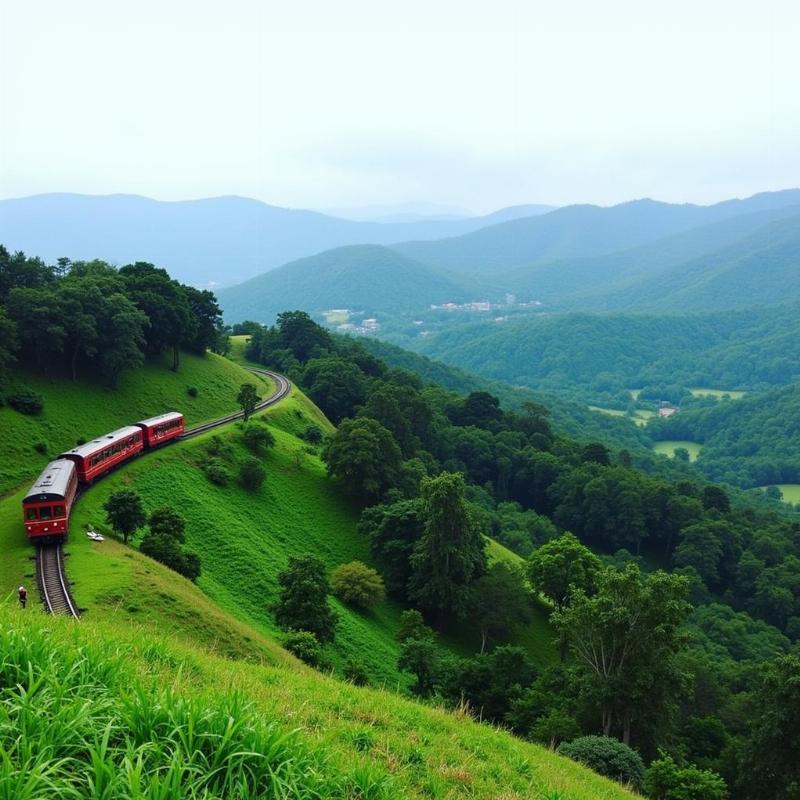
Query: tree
{"x": 336, "y": 385}
{"x": 357, "y": 584}
{"x": 247, "y": 399}
{"x": 771, "y": 757}
{"x": 626, "y": 639}
{"x": 412, "y": 626}
{"x": 555, "y": 727}
{"x": 302, "y": 336}
{"x": 499, "y": 602}
{"x": 124, "y": 512}
{"x": 561, "y": 565}
{"x": 420, "y": 657}
{"x": 251, "y": 474}
{"x": 451, "y": 552}
{"x": 668, "y": 781}
{"x": 363, "y": 455}
{"x": 305, "y": 646}
{"x": 303, "y": 600}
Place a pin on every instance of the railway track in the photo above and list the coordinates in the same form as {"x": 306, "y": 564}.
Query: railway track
{"x": 52, "y": 578}
{"x": 53, "y": 582}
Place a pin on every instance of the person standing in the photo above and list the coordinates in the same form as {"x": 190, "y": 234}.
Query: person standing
{"x": 23, "y": 596}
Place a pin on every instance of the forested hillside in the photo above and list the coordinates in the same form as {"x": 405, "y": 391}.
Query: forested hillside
{"x": 752, "y": 442}
{"x": 598, "y": 357}
{"x": 398, "y": 450}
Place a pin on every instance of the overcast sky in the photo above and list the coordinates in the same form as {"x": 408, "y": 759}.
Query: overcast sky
{"x": 348, "y": 103}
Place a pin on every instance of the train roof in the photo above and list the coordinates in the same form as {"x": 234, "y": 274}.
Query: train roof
{"x": 52, "y": 484}
{"x": 101, "y": 442}
{"x": 161, "y": 418}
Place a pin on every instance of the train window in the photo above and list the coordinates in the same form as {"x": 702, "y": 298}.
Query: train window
{"x": 58, "y": 511}
{"x": 30, "y": 513}
{"x": 45, "y": 512}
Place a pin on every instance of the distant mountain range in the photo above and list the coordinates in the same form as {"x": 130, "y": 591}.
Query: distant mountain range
{"x": 216, "y": 241}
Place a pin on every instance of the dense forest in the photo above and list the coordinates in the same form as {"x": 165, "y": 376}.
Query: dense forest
{"x": 597, "y": 358}
{"x": 88, "y": 317}
{"x": 703, "y": 597}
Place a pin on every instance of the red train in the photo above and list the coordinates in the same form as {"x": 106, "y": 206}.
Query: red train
{"x": 47, "y": 505}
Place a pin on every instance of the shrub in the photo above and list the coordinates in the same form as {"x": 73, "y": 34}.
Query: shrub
{"x": 216, "y": 472}
{"x": 608, "y": 756}
{"x": 257, "y": 437}
{"x": 313, "y": 434}
{"x": 192, "y": 391}
{"x": 305, "y": 646}
{"x": 251, "y": 474}
{"x": 26, "y": 401}
{"x": 357, "y": 584}
{"x": 356, "y": 673}
{"x": 667, "y": 781}
{"x": 79, "y": 441}
{"x": 41, "y": 447}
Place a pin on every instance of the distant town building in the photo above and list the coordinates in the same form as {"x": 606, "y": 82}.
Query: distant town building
{"x": 667, "y": 411}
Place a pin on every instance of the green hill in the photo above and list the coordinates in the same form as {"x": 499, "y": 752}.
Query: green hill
{"x": 179, "y": 721}
{"x": 368, "y": 278}
{"x": 90, "y": 408}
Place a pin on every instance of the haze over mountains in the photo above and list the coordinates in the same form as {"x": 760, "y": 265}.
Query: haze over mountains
{"x": 215, "y": 241}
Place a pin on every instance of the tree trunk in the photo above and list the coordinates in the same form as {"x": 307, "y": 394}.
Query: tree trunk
{"x": 626, "y": 728}
{"x": 483, "y": 640}
{"x": 607, "y": 717}
{"x": 176, "y": 357}
{"x": 72, "y": 363}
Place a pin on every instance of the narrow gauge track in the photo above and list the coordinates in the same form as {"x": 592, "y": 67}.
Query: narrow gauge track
{"x": 52, "y": 578}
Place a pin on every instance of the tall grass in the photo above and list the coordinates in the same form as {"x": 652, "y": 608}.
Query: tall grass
{"x": 79, "y": 722}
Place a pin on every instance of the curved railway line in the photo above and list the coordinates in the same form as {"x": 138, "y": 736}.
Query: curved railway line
{"x": 50, "y": 574}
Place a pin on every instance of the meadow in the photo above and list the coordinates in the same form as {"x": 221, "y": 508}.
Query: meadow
{"x": 667, "y": 448}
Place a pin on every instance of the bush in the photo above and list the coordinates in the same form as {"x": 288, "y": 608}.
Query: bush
{"x": 356, "y": 673}
{"x": 192, "y": 391}
{"x": 313, "y": 434}
{"x": 251, "y": 474}
{"x": 357, "y": 584}
{"x": 216, "y": 472}
{"x": 667, "y": 781}
{"x": 41, "y": 447}
{"x": 258, "y": 437}
{"x": 26, "y": 401}
{"x": 608, "y": 756}
{"x": 305, "y": 646}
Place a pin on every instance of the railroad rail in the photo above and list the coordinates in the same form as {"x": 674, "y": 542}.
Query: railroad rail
{"x": 53, "y": 582}
{"x": 52, "y": 578}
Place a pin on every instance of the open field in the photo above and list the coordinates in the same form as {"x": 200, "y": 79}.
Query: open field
{"x": 668, "y": 448}
{"x": 641, "y": 417}
{"x": 718, "y": 393}
{"x": 790, "y": 492}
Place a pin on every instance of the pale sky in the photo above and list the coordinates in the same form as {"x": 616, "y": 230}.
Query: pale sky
{"x": 338, "y": 103}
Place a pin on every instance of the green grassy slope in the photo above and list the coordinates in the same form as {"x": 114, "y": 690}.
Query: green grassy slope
{"x": 347, "y": 743}
{"x": 87, "y": 409}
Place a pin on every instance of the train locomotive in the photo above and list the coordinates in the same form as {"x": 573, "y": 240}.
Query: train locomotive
{"x": 46, "y": 507}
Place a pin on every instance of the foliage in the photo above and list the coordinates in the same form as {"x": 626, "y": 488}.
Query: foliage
{"x": 26, "y": 401}
{"x": 626, "y": 639}
{"x": 216, "y": 471}
{"x": 609, "y": 757}
{"x": 313, "y": 434}
{"x": 192, "y": 391}
{"x": 357, "y": 584}
{"x": 305, "y": 646}
{"x": 247, "y": 399}
{"x": 450, "y": 554}
{"x": 356, "y": 673}
{"x": 363, "y": 455}
{"x": 124, "y": 512}
{"x": 668, "y": 781}
{"x": 303, "y": 600}
{"x": 561, "y": 566}
{"x": 251, "y": 474}
{"x": 257, "y": 437}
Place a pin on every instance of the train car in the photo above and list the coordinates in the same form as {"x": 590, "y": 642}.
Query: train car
{"x": 100, "y": 455}
{"x": 46, "y": 507}
{"x": 161, "y": 429}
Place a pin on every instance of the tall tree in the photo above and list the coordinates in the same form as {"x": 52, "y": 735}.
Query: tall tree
{"x": 124, "y": 512}
{"x": 303, "y": 601}
{"x": 451, "y": 553}
{"x": 247, "y": 399}
{"x": 625, "y": 640}
{"x": 562, "y": 565}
